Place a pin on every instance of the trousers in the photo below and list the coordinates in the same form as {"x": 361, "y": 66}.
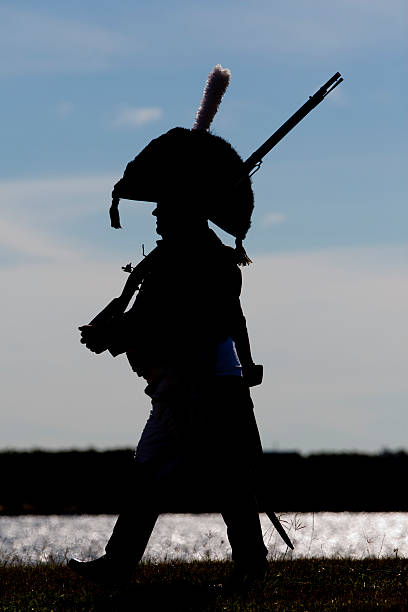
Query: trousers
{"x": 200, "y": 434}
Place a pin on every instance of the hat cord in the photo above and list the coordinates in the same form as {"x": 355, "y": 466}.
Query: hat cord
{"x": 241, "y": 254}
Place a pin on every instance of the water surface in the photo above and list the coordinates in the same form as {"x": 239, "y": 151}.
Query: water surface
{"x": 33, "y": 539}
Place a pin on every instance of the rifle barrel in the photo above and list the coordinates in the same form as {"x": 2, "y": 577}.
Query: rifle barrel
{"x": 280, "y": 133}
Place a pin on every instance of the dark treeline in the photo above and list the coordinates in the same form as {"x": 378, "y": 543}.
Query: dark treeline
{"x": 92, "y": 482}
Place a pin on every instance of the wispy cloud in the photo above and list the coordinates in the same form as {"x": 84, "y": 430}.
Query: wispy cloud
{"x": 286, "y": 29}
{"x": 273, "y": 219}
{"x": 39, "y": 42}
{"x": 24, "y": 240}
{"x": 65, "y": 108}
{"x": 54, "y": 197}
{"x": 43, "y": 42}
{"x": 44, "y": 218}
{"x": 133, "y": 116}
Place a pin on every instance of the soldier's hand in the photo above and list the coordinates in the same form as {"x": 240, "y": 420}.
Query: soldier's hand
{"x": 252, "y": 374}
{"x": 94, "y": 338}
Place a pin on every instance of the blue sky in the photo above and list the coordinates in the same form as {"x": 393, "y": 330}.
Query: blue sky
{"x": 86, "y": 85}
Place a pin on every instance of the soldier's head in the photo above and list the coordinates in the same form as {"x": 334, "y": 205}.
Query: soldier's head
{"x": 197, "y": 175}
{"x": 174, "y": 221}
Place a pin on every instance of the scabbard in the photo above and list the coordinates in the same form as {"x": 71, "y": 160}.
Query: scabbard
{"x": 279, "y": 528}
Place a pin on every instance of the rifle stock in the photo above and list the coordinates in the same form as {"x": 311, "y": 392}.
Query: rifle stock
{"x": 119, "y": 304}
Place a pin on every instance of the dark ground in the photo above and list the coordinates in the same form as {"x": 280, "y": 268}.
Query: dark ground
{"x": 311, "y": 584}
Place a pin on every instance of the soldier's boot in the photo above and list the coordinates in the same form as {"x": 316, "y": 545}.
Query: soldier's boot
{"x": 105, "y": 570}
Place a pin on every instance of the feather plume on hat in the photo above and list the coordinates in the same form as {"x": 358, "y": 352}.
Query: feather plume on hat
{"x": 217, "y": 83}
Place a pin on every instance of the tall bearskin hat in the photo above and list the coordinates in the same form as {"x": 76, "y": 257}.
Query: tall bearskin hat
{"x": 194, "y": 168}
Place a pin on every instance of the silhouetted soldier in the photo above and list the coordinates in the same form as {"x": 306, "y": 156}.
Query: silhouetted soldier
{"x": 186, "y": 335}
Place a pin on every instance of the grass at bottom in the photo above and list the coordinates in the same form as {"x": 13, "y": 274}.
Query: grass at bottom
{"x": 307, "y": 584}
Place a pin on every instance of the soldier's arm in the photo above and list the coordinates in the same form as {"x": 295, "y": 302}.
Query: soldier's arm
{"x": 107, "y": 328}
{"x": 251, "y": 372}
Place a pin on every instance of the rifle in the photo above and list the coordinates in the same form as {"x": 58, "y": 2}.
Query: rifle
{"x": 255, "y": 160}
